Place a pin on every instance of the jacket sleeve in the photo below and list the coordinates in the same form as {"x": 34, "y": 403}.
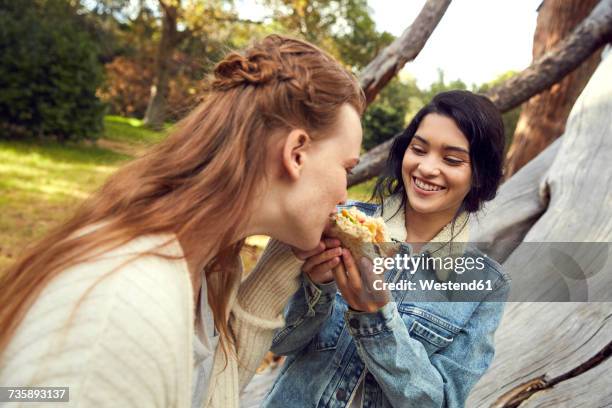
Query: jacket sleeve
{"x": 404, "y": 371}
{"x": 305, "y": 313}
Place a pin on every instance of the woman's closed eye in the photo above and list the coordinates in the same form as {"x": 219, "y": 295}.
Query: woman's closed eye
{"x": 453, "y": 161}
{"x": 418, "y": 150}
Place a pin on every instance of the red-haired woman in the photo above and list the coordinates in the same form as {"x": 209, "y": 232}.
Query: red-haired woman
{"x": 138, "y": 298}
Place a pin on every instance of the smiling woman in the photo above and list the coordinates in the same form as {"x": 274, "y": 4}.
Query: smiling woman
{"x": 449, "y": 161}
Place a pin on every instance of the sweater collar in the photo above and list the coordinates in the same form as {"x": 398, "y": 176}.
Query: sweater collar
{"x": 448, "y": 243}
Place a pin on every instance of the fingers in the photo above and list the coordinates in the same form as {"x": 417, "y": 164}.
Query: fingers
{"x": 353, "y": 275}
{"x": 328, "y": 257}
{"x": 331, "y": 242}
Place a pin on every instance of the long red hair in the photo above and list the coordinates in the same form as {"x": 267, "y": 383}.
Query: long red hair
{"x": 199, "y": 182}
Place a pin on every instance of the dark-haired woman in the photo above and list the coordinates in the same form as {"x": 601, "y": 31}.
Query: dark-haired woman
{"x": 137, "y": 301}
{"x": 408, "y": 348}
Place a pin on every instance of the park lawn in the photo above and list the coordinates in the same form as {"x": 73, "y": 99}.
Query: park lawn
{"x": 42, "y": 183}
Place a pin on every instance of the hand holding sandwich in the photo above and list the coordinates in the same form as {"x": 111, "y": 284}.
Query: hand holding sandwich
{"x": 356, "y": 284}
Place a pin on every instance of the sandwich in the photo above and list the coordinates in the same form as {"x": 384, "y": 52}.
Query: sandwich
{"x": 361, "y": 234}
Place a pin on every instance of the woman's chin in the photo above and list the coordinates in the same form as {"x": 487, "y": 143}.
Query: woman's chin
{"x": 305, "y": 242}
{"x": 422, "y": 208}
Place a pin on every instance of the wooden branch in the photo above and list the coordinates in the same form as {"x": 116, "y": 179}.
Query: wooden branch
{"x": 553, "y": 66}
{"x": 405, "y": 48}
{"x": 587, "y": 37}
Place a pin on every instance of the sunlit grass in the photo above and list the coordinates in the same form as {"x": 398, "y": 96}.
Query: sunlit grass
{"x": 129, "y": 130}
{"x": 42, "y": 182}
{"x": 363, "y": 191}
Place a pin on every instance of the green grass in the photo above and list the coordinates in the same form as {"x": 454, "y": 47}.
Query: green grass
{"x": 42, "y": 182}
{"x": 363, "y": 191}
{"x": 129, "y": 130}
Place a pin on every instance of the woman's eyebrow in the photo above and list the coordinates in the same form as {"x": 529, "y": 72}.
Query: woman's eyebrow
{"x": 456, "y": 149}
{"x": 445, "y": 147}
{"x": 420, "y": 139}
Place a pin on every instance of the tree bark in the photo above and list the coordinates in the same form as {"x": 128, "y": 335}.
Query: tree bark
{"x": 543, "y": 117}
{"x": 557, "y": 354}
{"x": 405, "y": 48}
{"x": 156, "y": 109}
{"x": 590, "y": 35}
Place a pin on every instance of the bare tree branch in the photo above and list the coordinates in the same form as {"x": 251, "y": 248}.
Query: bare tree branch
{"x": 592, "y": 33}
{"x": 405, "y": 48}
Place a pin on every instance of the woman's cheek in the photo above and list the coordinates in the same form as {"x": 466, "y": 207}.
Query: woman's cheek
{"x": 461, "y": 179}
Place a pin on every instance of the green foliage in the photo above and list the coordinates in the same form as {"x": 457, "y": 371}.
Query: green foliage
{"x": 49, "y": 72}
{"x": 509, "y": 118}
{"x": 380, "y": 123}
{"x": 344, "y": 28}
{"x": 440, "y": 85}
{"x": 386, "y": 116}
{"x": 359, "y": 42}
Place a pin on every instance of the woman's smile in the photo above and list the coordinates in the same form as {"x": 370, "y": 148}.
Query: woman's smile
{"x": 425, "y": 188}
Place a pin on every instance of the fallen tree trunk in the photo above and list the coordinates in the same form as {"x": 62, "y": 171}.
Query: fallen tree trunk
{"x": 405, "y": 48}
{"x": 518, "y": 205}
{"x": 591, "y": 34}
{"x": 560, "y": 348}
{"x": 540, "y": 342}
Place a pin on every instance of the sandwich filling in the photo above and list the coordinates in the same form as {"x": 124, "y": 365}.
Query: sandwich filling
{"x": 355, "y": 223}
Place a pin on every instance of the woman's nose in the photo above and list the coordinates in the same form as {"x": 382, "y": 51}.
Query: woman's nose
{"x": 429, "y": 167}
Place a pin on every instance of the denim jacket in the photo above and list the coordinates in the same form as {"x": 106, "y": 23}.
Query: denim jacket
{"x": 410, "y": 353}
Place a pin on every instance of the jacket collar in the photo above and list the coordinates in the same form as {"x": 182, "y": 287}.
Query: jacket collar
{"x": 449, "y": 242}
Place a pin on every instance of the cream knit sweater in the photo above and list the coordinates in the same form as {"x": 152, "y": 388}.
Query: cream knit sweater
{"x": 130, "y": 341}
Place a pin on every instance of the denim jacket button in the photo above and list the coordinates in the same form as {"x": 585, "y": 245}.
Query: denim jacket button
{"x": 341, "y": 394}
{"x": 354, "y": 323}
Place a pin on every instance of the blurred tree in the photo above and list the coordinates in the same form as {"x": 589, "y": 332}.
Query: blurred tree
{"x": 387, "y": 115}
{"x": 49, "y": 71}
{"x": 440, "y": 85}
{"x": 344, "y": 28}
{"x": 165, "y": 48}
{"x": 511, "y": 117}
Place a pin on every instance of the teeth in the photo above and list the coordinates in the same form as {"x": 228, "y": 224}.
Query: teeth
{"x": 425, "y": 186}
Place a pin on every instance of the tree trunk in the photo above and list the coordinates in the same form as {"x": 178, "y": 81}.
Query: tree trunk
{"x": 156, "y": 109}
{"x": 543, "y": 117}
{"x": 590, "y": 35}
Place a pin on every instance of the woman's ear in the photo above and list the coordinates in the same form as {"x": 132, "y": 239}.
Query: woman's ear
{"x": 295, "y": 152}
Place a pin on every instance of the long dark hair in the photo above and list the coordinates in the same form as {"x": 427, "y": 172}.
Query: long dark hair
{"x": 481, "y": 123}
